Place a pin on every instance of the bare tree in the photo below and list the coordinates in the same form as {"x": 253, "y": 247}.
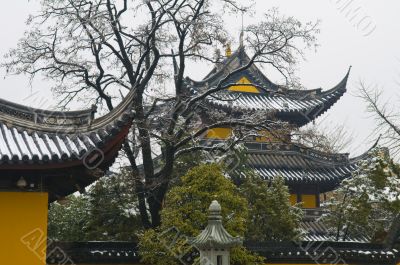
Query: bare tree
{"x": 96, "y": 49}
{"x": 385, "y": 115}
{"x": 329, "y": 139}
{"x": 388, "y": 129}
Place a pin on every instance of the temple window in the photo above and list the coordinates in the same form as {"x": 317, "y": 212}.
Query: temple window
{"x": 219, "y": 260}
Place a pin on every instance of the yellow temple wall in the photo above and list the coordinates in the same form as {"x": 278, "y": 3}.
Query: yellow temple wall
{"x": 219, "y": 133}
{"x": 244, "y": 85}
{"x": 225, "y": 133}
{"x": 23, "y": 228}
{"x": 307, "y": 200}
{"x": 293, "y": 199}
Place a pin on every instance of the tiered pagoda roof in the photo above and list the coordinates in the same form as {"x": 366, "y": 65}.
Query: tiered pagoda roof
{"x": 60, "y": 152}
{"x": 300, "y": 165}
{"x": 298, "y": 107}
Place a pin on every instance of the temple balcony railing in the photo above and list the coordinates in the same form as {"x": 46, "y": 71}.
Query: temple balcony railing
{"x": 311, "y": 214}
{"x": 285, "y": 147}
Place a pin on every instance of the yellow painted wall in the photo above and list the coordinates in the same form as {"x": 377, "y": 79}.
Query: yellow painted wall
{"x": 293, "y": 199}
{"x": 309, "y": 201}
{"x": 219, "y": 133}
{"x": 224, "y": 133}
{"x": 23, "y": 228}
{"x": 244, "y": 85}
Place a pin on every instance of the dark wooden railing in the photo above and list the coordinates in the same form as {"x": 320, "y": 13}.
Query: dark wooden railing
{"x": 278, "y": 252}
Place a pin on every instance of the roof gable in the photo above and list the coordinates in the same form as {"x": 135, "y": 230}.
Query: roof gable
{"x": 244, "y": 85}
{"x": 257, "y": 92}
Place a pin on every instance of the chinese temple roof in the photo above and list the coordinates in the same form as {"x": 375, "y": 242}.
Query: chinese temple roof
{"x": 300, "y": 165}
{"x": 59, "y": 151}
{"x": 316, "y": 231}
{"x": 298, "y": 107}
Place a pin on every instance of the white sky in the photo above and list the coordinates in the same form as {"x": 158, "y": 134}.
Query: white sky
{"x": 375, "y": 58}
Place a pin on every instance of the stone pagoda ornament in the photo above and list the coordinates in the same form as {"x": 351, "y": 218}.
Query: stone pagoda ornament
{"x": 214, "y": 242}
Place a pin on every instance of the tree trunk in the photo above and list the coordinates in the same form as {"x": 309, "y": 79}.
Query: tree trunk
{"x": 393, "y": 232}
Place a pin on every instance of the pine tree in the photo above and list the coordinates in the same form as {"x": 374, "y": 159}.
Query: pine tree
{"x": 107, "y": 212}
{"x": 69, "y": 222}
{"x": 113, "y": 209}
{"x": 366, "y": 203}
{"x": 271, "y": 216}
{"x": 185, "y": 215}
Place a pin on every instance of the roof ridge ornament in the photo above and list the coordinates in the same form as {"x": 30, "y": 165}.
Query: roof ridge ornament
{"x": 215, "y": 235}
{"x": 214, "y": 242}
{"x": 228, "y": 50}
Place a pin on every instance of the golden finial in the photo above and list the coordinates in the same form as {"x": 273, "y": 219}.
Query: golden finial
{"x": 228, "y": 51}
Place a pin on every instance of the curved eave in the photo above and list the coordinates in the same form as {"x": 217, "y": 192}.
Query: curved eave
{"x": 296, "y": 107}
{"x": 299, "y": 165}
{"x": 81, "y": 151}
{"x": 60, "y": 121}
{"x": 18, "y": 114}
{"x": 329, "y": 98}
{"x": 215, "y": 236}
{"x": 367, "y": 154}
{"x": 35, "y": 145}
{"x": 21, "y": 109}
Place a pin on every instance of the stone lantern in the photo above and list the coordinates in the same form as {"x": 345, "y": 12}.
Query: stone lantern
{"x": 214, "y": 242}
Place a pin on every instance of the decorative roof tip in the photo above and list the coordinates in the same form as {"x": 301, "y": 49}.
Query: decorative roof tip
{"x": 228, "y": 50}
{"x": 215, "y": 235}
{"x": 347, "y": 75}
{"x": 215, "y": 206}
{"x": 348, "y": 72}
{"x": 215, "y": 211}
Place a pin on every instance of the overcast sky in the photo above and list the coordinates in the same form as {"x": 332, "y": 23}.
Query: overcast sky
{"x": 360, "y": 33}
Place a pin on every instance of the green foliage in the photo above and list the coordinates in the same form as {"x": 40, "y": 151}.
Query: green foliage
{"x": 366, "y": 204}
{"x": 113, "y": 212}
{"x": 185, "y": 215}
{"x": 184, "y": 163}
{"x": 271, "y": 215}
{"x": 69, "y": 222}
{"x": 106, "y": 212}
